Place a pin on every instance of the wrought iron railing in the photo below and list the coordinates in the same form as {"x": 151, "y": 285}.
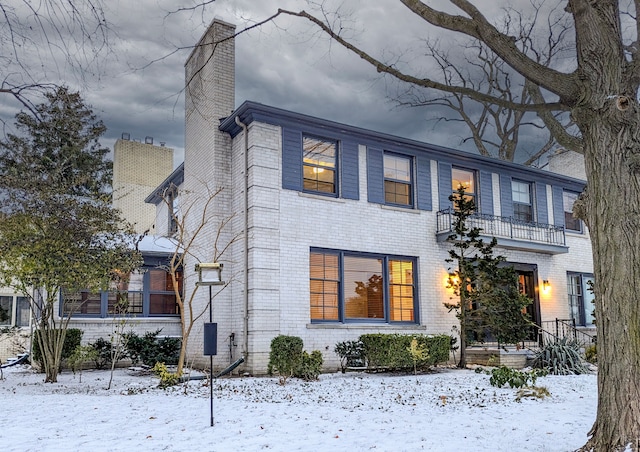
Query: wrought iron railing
{"x": 507, "y": 227}
{"x": 565, "y": 329}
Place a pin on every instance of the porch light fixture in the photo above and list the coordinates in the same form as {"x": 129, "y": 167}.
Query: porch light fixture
{"x": 209, "y": 274}
{"x": 546, "y": 285}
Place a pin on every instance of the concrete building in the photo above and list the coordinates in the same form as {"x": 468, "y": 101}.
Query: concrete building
{"x": 138, "y": 168}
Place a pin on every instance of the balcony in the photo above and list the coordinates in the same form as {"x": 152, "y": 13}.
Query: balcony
{"x": 509, "y": 232}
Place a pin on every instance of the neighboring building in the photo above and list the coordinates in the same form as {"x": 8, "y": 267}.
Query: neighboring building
{"x": 342, "y": 230}
{"x": 138, "y": 168}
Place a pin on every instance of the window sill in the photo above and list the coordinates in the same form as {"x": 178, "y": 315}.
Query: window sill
{"x": 158, "y": 319}
{"x": 322, "y": 197}
{"x": 400, "y": 209}
{"x": 364, "y": 326}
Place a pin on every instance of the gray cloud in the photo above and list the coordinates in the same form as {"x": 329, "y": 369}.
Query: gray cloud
{"x": 288, "y": 64}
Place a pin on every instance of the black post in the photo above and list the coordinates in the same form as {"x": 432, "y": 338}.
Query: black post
{"x": 211, "y": 358}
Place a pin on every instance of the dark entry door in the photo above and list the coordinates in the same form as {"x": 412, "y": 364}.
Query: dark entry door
{"x": 527, "y": 284}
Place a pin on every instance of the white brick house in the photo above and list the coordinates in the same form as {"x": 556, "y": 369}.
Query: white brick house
{"x": 319, "y": 206}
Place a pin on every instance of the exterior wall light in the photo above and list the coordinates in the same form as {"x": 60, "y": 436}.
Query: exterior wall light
{"x": 546, "y": 285}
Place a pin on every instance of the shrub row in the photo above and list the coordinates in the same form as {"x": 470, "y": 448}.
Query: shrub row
{"x": 148, "y": 349}
{"x": 393, "y": 351}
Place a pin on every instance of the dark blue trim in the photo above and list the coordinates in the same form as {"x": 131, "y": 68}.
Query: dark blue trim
{"x": 444, "y": 185}
{"x": 176, "y": 178}
{"x": 541, "y": 203}
{"x": 375, "y": 175}
{"x": 252, "y": 111}
{"x": 350, "y": 185}
{"x": 486, "y": 193}
{"x": 506, "y": 196}
{"x": 291, "y": 159}
{"x": 558, "y": 206}
{"x": 423, "y": 183}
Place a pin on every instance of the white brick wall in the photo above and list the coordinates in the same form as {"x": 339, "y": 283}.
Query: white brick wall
{"x": 284, "y": 224}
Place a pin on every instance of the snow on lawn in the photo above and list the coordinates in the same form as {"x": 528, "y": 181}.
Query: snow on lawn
{"x": 447, "y": 410}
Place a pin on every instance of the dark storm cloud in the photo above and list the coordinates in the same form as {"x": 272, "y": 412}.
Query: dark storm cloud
{"x": 288, "y": 64}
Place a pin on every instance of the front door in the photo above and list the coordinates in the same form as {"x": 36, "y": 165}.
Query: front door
{"x": 527, "y": 283}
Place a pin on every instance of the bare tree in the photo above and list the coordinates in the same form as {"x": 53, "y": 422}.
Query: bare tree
{"x": 601, "y": 93}
{"x": 190, "y": 220}
{"x": 39, "y": 41}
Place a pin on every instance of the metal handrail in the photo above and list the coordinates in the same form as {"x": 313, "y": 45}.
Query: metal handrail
{"x": 509, "y": 227}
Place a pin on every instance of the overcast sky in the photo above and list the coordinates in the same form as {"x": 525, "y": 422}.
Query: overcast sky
{"x": 286, "y": 64}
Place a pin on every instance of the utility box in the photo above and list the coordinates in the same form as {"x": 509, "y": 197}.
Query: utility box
{"x": 210, "y": 339}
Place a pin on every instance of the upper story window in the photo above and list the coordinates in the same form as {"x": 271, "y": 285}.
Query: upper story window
{"x": 319, "y": 165}
{"x": 351, "y": 287}
{"x": 522, "y": 201}
{"x": 172, "y": 208}
{"x": 464, "y": 178}
{"x": 570, "y": 223}
{"x": 398, "y": 184}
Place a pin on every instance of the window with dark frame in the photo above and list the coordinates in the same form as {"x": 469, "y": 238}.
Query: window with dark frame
{"x": 352, "y": 287}
{"x": 570, "y": 222}
{"x": 522, "y": 201}
{"x": 580, "y": 298}
{"x": 464, "y": 178}
{"x": 148, "y": 292}
{"x": 6, "y": 310}
{"x": 319, "y": 165}
{"x": 398, "y": 183}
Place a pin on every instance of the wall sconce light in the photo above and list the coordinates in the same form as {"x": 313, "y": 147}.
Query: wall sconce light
{"x": 546, "y": 285}
{"x": 209, "y": 274}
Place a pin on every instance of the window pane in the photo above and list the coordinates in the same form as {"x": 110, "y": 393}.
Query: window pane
{"x": 401, "y": 291}
{"x": 120, "y": 303}
{"x": 82, "y": 303}
{"x": 323, "y": 286}
{"x": 397, "y": 193}
{"x": 571, "y": 223}
{"x": 363, "y": 288}
{"x": 163, "y": 304}
{"x": 397, "y": 167}
{"x": 6, "y": 310}
{"x": 521, "y": 192}
{"x": 463, "y": 178}
{"x": 319, "y": 165}
{"x": 23, "y": 313}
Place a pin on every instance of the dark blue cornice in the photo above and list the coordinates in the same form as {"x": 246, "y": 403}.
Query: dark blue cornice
{"x": 250, "y": 111}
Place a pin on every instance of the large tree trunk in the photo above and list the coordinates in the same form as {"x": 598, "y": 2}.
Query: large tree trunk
{"x": 612, "y": 212}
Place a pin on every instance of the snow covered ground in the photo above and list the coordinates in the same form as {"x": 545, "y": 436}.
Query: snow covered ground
{"x": 448, "y": 410}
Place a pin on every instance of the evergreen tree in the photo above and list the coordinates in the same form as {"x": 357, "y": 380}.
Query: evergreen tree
{"x": 489, "y": 304}
{"x": 58, "y": 230}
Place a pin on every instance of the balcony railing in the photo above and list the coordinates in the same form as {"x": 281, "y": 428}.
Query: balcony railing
{"x": 505, "y": 227}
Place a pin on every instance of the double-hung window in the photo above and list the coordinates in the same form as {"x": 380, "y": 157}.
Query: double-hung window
{"x": 398, "y": 181}
{"x": 464, "y": 178}
{"x": 580, "y": 298}
{"x": 570, "y": 222}
{"x": 319, "y": 165}
{"x": 522, "y": 201}
{"x": 353, "y": 287}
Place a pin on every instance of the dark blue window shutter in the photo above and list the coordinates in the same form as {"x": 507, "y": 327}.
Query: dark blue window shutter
{"x": 444, "y": 185}
{"x": 375, "y": 175}
{"x": 349, "y": 170}
{"x": 423, "y": 182}
{"x": 558, "y": 206}
{"x": 541, "y": 203}
{"x": 486, "y": 193}
{"x": 291, "y": 159}
{"x": 506, "y": 197}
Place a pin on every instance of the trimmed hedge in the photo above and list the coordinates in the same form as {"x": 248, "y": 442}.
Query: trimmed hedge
{"x": 391, "y": 351}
